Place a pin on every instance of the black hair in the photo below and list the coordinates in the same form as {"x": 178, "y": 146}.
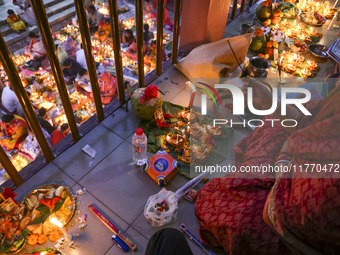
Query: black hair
{"x": 10, "y": 11}
{"x": 42, "y": 112}
{"x": 64, "y": 127}
{"x": 7, "y": 118}
{"x": 129, "y": 32}
{"x": 146, "y": 33}
{"x": 82, "y": 71}
{"x": 67, "y": 62}
{"x": 91, "y": 7}
{"x": 107, "y": 20}
{"x": 33, "y": 35}
{"x": 146, "y": 27}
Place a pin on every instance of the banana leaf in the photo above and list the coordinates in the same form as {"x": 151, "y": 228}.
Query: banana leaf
{"x": 154, "y": 133}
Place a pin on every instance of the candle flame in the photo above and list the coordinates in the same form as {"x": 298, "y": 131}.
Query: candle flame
{"x": 55, "y": 221}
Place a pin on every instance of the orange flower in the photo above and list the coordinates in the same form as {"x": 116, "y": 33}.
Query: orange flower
{"x": 5, "y": 225}
{"x": 258, "y": 32}
{"x": 265, "y": 3}
{"x": 261, "y": 55}
{"x": 269, "y": 2}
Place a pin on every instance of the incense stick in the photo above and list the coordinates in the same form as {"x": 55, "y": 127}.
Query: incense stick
{"x": 235, "y": 57}
{"x": 330, "y": 24}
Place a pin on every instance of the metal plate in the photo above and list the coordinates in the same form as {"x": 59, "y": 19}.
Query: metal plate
{"x": 50, "y": 186}
{"x": 311, "y": 24}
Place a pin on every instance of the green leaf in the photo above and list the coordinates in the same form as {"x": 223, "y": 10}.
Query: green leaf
{"x": 4, "y": 212}
{"x": 159, "y": 141}
{"x": 152, "y": 137}
{"x": 5, "y": 248}
{"x": 40, "y": 219}
{"x": 22, "y": 237}
{"x": 168, "y": 46}
{"x": 43, "y": 209}
{"x": 58, "y": 205}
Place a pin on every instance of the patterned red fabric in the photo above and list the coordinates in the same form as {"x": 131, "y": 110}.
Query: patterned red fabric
{"x": 300, "y": 210}
{"x": 229, "y": 210}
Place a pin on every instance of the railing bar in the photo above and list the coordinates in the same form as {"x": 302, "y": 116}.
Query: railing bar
{"x": 10, "y": 169}
{"x": 25, "y": 103}
{"x": 160, "y": 18}
{"x": 175, "y": 34}
{"x": 233, "y": 13}
{"x": 243, "y": 5}
{"x": 117, "y": 49}
{"x": 140, "y": 39}
{"x": 91, "y": 67}
{"x": 44, "y": 27}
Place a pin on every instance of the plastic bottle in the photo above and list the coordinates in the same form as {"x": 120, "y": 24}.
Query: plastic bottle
{"x": 139, "y": 147}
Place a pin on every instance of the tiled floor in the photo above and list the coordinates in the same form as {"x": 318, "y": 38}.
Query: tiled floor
{"x": 113, "y": 183}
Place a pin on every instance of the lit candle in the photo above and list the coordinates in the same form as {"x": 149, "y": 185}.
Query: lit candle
{"x": 60, "y": 225}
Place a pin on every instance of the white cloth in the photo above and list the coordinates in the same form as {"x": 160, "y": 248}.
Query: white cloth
{"x": 84, "y": 82}
{"x": 9, "y": 99}
{"x": 95, "y": 18}
{"x": 31, "y": 145}
{"x": 81, "y": 58}
{"x": 28, "y": 15}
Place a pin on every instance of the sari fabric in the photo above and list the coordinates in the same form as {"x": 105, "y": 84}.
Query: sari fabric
{"x": 15, "y": 132}
{"x": 283, "y": 215}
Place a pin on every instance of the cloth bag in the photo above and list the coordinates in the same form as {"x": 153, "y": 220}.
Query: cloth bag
{"x": 216, "y": 59}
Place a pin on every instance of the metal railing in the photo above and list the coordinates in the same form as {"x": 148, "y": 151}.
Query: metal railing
{"x": 46, "y": 34}
{"x": 242, "y": 7}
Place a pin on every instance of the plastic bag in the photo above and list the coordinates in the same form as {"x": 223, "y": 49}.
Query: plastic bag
{"x": 156, "y": 212}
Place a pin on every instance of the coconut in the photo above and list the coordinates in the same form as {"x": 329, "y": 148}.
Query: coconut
{"x": 146, "y": 110}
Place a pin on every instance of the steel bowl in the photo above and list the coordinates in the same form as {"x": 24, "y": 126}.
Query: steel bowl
{"x": 319, "y": 50}
{"x": 258, "y": 67}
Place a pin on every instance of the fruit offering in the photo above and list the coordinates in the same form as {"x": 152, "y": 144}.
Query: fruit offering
{"x": 297, "y": 65}
{"x": 295, "y": 30}
{"x": 12, "y": 237}
{"x": 322, "y": 9}
{"x": 296, "y": 45}
{"x": 263, "y": 44}
{"x": 264, "y": 10}
{"x": 43, "y": 204}
{"x": 313, "y": 18}
{"x": 289, "y": 10}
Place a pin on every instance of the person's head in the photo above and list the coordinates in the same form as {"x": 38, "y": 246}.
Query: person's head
{"x": 146, "y": 27}
{"x": 82, "y": 71}
{"x": 32, "y": 35}
{"x": 107, "y": 21}
{"x": 10, "y": 12}
{"x": 42, "y": 112}
{"x": 91, "y": 9}
{"x": 7, "y": 118}
{"x": 67, "y": 63}
{"x": 64, "y": 128}
{"x": 128, "y": 33}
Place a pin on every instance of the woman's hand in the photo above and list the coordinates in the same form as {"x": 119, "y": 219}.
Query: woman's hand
{"x": 261, "y": 94}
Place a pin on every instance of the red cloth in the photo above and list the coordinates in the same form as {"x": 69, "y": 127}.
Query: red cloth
{"x": 297, "y": 211}
{"x": 56, "y": 136}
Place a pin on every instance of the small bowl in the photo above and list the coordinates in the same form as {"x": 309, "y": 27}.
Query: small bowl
{"x": 319, "y": 50}
{"x": 258, "y": 67}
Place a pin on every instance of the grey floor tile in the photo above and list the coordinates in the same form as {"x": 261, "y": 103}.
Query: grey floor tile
{"x": 120, "y": 185}
{"x": 97, "y": 238}
{"x": 139, "y": 240}
{"x": 121, "y": 122}
{"x": 49, "y": 174}
{"x": 76, "y": 163}
{"x": 182, "y": 98}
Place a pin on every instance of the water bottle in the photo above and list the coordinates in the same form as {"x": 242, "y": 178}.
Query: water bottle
{"x": 139, "y": 147}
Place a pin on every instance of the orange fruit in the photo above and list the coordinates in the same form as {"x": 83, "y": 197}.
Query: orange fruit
{"x": 261, "y": 55}
{"x": 266, "y": 56}
{"x": 269, "y": 44}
